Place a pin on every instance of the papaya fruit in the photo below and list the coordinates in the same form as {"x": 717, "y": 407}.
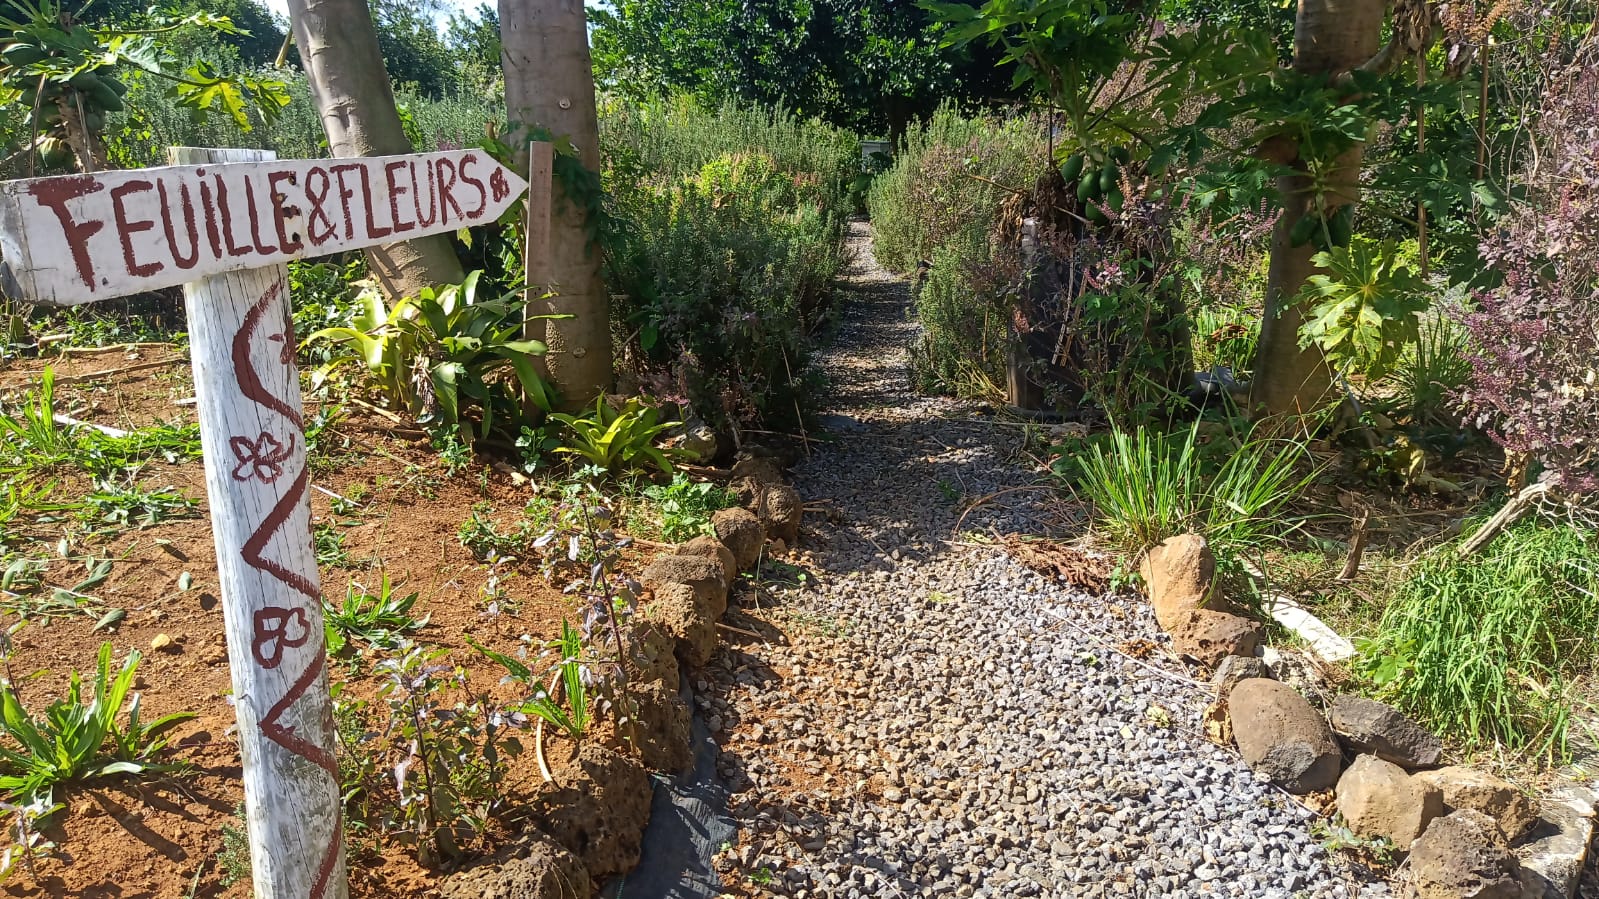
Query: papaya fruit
{"x": 1087, "y": 187}
{"x": 1304, "y": 229}
{"x": 1341, "y": 227}
{"x": 104, "y": 97}
{"x": 1072, "y": 169}
{"x": 1107, "y": 176}
{"x": 85, "y": 82}
{"x": 1122, "y": 155}
{"x": 1115, "y": 200}
{"x": 22, "y": 54}
{"x": 116, "y": 85}
{"x": 1093, "y": 213}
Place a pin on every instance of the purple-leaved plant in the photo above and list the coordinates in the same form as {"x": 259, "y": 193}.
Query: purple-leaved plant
{"x": 1535, "y": 338}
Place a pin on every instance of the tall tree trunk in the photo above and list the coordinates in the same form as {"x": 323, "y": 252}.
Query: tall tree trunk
{"x": 339, "y": 48}
{"x": 549, "y": 83}
{"x": 1330, "y": 36}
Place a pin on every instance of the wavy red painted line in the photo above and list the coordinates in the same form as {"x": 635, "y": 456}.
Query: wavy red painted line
{"x": 249, "y": 381}
{"x": 244, "y": 370}
{"x": 262, "y": 537}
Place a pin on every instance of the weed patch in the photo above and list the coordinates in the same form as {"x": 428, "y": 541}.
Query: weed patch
{"x": 1485, "y": 648}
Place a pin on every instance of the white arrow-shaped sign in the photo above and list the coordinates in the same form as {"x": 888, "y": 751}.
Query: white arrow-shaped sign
{"x": 81, "y": 238}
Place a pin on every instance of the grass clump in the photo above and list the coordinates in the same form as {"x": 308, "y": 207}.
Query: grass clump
{"x": 1147, "y": 486}
{"x": 80, "y": 740}
{"x": 1485, "y": 648}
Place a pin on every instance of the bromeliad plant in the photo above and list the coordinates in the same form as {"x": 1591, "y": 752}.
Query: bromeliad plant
{"x": 441, "y": 353}
{"x": 77, "y": 740}
{"x": 617, "y": 439}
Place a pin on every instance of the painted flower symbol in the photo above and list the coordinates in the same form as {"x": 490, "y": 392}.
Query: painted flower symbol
{"x": 261, "y": 458}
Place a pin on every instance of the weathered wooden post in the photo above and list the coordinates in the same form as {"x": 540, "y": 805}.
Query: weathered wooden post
{"x": 223, "y": 225}
{"x": 252, "y": 432}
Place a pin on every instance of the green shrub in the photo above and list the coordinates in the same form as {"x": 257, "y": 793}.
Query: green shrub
{"x": 1485, "y": 648}
{"x": 963, "y": 308}
{"x": 941, "y": 190}
{"x": 1147, "y": 486}
{"x": 940, "y": 202}
{"x": 731, "y": 238}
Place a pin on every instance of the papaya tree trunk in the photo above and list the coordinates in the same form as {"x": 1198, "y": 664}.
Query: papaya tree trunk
{"x": 339, "y": 48}
{"x": 549, "y": 84}
{"x": 1330, "y": 37}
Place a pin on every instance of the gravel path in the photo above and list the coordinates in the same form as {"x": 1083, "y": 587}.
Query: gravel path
{"x": 927, "y": 718}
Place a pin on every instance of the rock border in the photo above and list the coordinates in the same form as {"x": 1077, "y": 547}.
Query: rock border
{"x": 1469, "y": 834}
{"x": 596, "y": 824}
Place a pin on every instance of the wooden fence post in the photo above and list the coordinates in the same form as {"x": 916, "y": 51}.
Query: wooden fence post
{"x": 252, "y": 432}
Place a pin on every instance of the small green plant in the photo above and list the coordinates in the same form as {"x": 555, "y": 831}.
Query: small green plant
{"x": 27, "y": 596}
{"x": 484, "y": 539}
{"x": 27, "y": 842}
{"x": 1335, "y": 836}
{"x": 381, "y": 621}
{"x": 681, "y": 510}
{"x": 1147, "y": 486}
{"x": 447, "y": 764}
{"x": 328, "y": 542}
{"x": 77, "y": 741}
{"x": 573, "y": 720}
{"x": 1365, "y": 309}
{"x": 532, "y": 445}
{"x": 455, "y": 453}
{"x": 128, "y": 505}
{"x": 1484, "y": 648}
{"x": 617, "y": 439}
{"x": 233, "y": 859}
{"x": 33, "y": 440}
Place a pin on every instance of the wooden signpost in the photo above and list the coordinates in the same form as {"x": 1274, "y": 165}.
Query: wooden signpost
{"x": 222, "y": 223}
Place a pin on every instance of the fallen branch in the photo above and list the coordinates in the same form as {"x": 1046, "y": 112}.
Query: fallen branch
{"x": 982, "y": 500}
{"x": 97, "y": 350}
{"x": 63, "y": 380}
{"x": 1505, "y": 517}
{"x": 377, "y": 409}
{"x": 73, "y": 422}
